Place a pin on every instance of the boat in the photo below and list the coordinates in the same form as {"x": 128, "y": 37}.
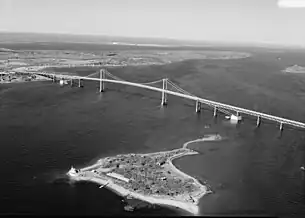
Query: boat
{"x": 302, "y": 168}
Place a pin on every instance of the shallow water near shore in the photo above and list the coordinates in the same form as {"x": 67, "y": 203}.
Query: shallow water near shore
{"x": 46, "y": 128}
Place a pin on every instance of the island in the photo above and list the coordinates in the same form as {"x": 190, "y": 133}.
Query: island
{"x": 148, "y": 177}
{"x": 294, "y": 69}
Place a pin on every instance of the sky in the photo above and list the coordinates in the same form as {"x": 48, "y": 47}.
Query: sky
{"x": 258, "y": 21}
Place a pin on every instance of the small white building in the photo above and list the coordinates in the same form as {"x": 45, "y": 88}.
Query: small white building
{"x": 234, "y": 118}
{"x": 73, "y": 172}
{"x": 63, "y": 82}
{"x": 118, "y": 176}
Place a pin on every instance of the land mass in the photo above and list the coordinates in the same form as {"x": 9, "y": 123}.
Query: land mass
{"x": 295, "y": 69}
{"x": 148, "y": 177}
{"x": 21, "y": 61}
{"x": 17, "y": 77}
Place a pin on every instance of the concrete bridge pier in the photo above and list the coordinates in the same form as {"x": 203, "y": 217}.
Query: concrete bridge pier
{"x": 281, "y": 126}
{"x": 215, "y": 111}
{"x": 53, "y": 79}
{"x": 258, "y": 121}
{"x": 80, "y": 83}
{"x": 102, "y": 82}
{"x": 164, "y": 95}
{"x": 71, "y": 81}
{"x": 198, "y": 106}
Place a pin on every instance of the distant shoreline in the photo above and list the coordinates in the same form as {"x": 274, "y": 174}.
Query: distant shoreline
{"x": 191, "y": 207}
{"x": 42, "y": 60}
{"x": 294, "y": 69}
{"x": 20, "y": 80}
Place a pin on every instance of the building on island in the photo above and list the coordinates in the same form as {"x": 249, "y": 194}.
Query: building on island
{"x": 118, "y": 176}
{"x": 73, "y": 171}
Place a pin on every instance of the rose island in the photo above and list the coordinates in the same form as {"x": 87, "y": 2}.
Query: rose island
{"x": 148, "y": 177}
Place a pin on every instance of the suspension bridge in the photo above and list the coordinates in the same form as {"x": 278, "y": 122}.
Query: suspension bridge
{"x": 170, "y": 88}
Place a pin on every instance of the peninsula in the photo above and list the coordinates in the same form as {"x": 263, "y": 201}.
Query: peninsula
{"x": 148, "y": 177}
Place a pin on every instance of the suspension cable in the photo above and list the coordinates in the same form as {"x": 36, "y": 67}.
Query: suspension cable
{"x": 177, "y": 87}
{"x": 157, "y": 81}
{"x": 114, "y": 77}
{"x": 180, "y": 89}
{"x": 92, "y": 74}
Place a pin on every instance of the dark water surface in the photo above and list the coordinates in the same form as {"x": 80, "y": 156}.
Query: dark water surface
{"x": 46, "y": 128}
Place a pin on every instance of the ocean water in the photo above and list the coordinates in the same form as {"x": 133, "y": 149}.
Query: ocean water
{"x": 46, "y": 128}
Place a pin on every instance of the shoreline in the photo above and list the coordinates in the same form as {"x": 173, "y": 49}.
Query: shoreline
{"x": 152, "y": 199}
{"x": 41, "y": 80}
{"x": 23, "y": 81}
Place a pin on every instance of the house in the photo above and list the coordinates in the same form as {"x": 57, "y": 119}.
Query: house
{"x": 118, "y": 176}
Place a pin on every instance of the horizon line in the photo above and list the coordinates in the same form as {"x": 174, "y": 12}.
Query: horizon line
{"x": 242, "y": 43}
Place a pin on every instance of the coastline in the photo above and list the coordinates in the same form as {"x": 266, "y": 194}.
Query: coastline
{"x": 23, "y": 81}
{"x": 152, "y": 199}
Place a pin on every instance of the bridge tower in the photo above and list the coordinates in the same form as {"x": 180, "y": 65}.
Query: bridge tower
{"x": 198, "y": 106}
{"x": 164, "y": 94}
{"x": 102, "y": 82}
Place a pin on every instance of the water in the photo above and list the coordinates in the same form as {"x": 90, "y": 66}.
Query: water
{"x": 46, "y": 128}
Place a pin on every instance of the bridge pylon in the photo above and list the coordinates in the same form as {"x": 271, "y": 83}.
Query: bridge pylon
{"x": 164, "y": 94}
{"x": 102, "y": 82}
{"x": 198, "y": 106}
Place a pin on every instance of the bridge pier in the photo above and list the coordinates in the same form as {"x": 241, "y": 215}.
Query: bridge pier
{"x": 258, "y": 121}
{"x": 102, "y": 82}
{"x": 53, "y": 79}
{"x": 71, "y": 82}
{"x": 215, "y": 111}
{"x": 164, "y": 95}
{"x": 281, "y": 126}
{"x": 198, "y": 106}
{"x": 80, "y": 83}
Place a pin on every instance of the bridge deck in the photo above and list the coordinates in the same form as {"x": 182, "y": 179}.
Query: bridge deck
{"x": 202, "y": 100}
